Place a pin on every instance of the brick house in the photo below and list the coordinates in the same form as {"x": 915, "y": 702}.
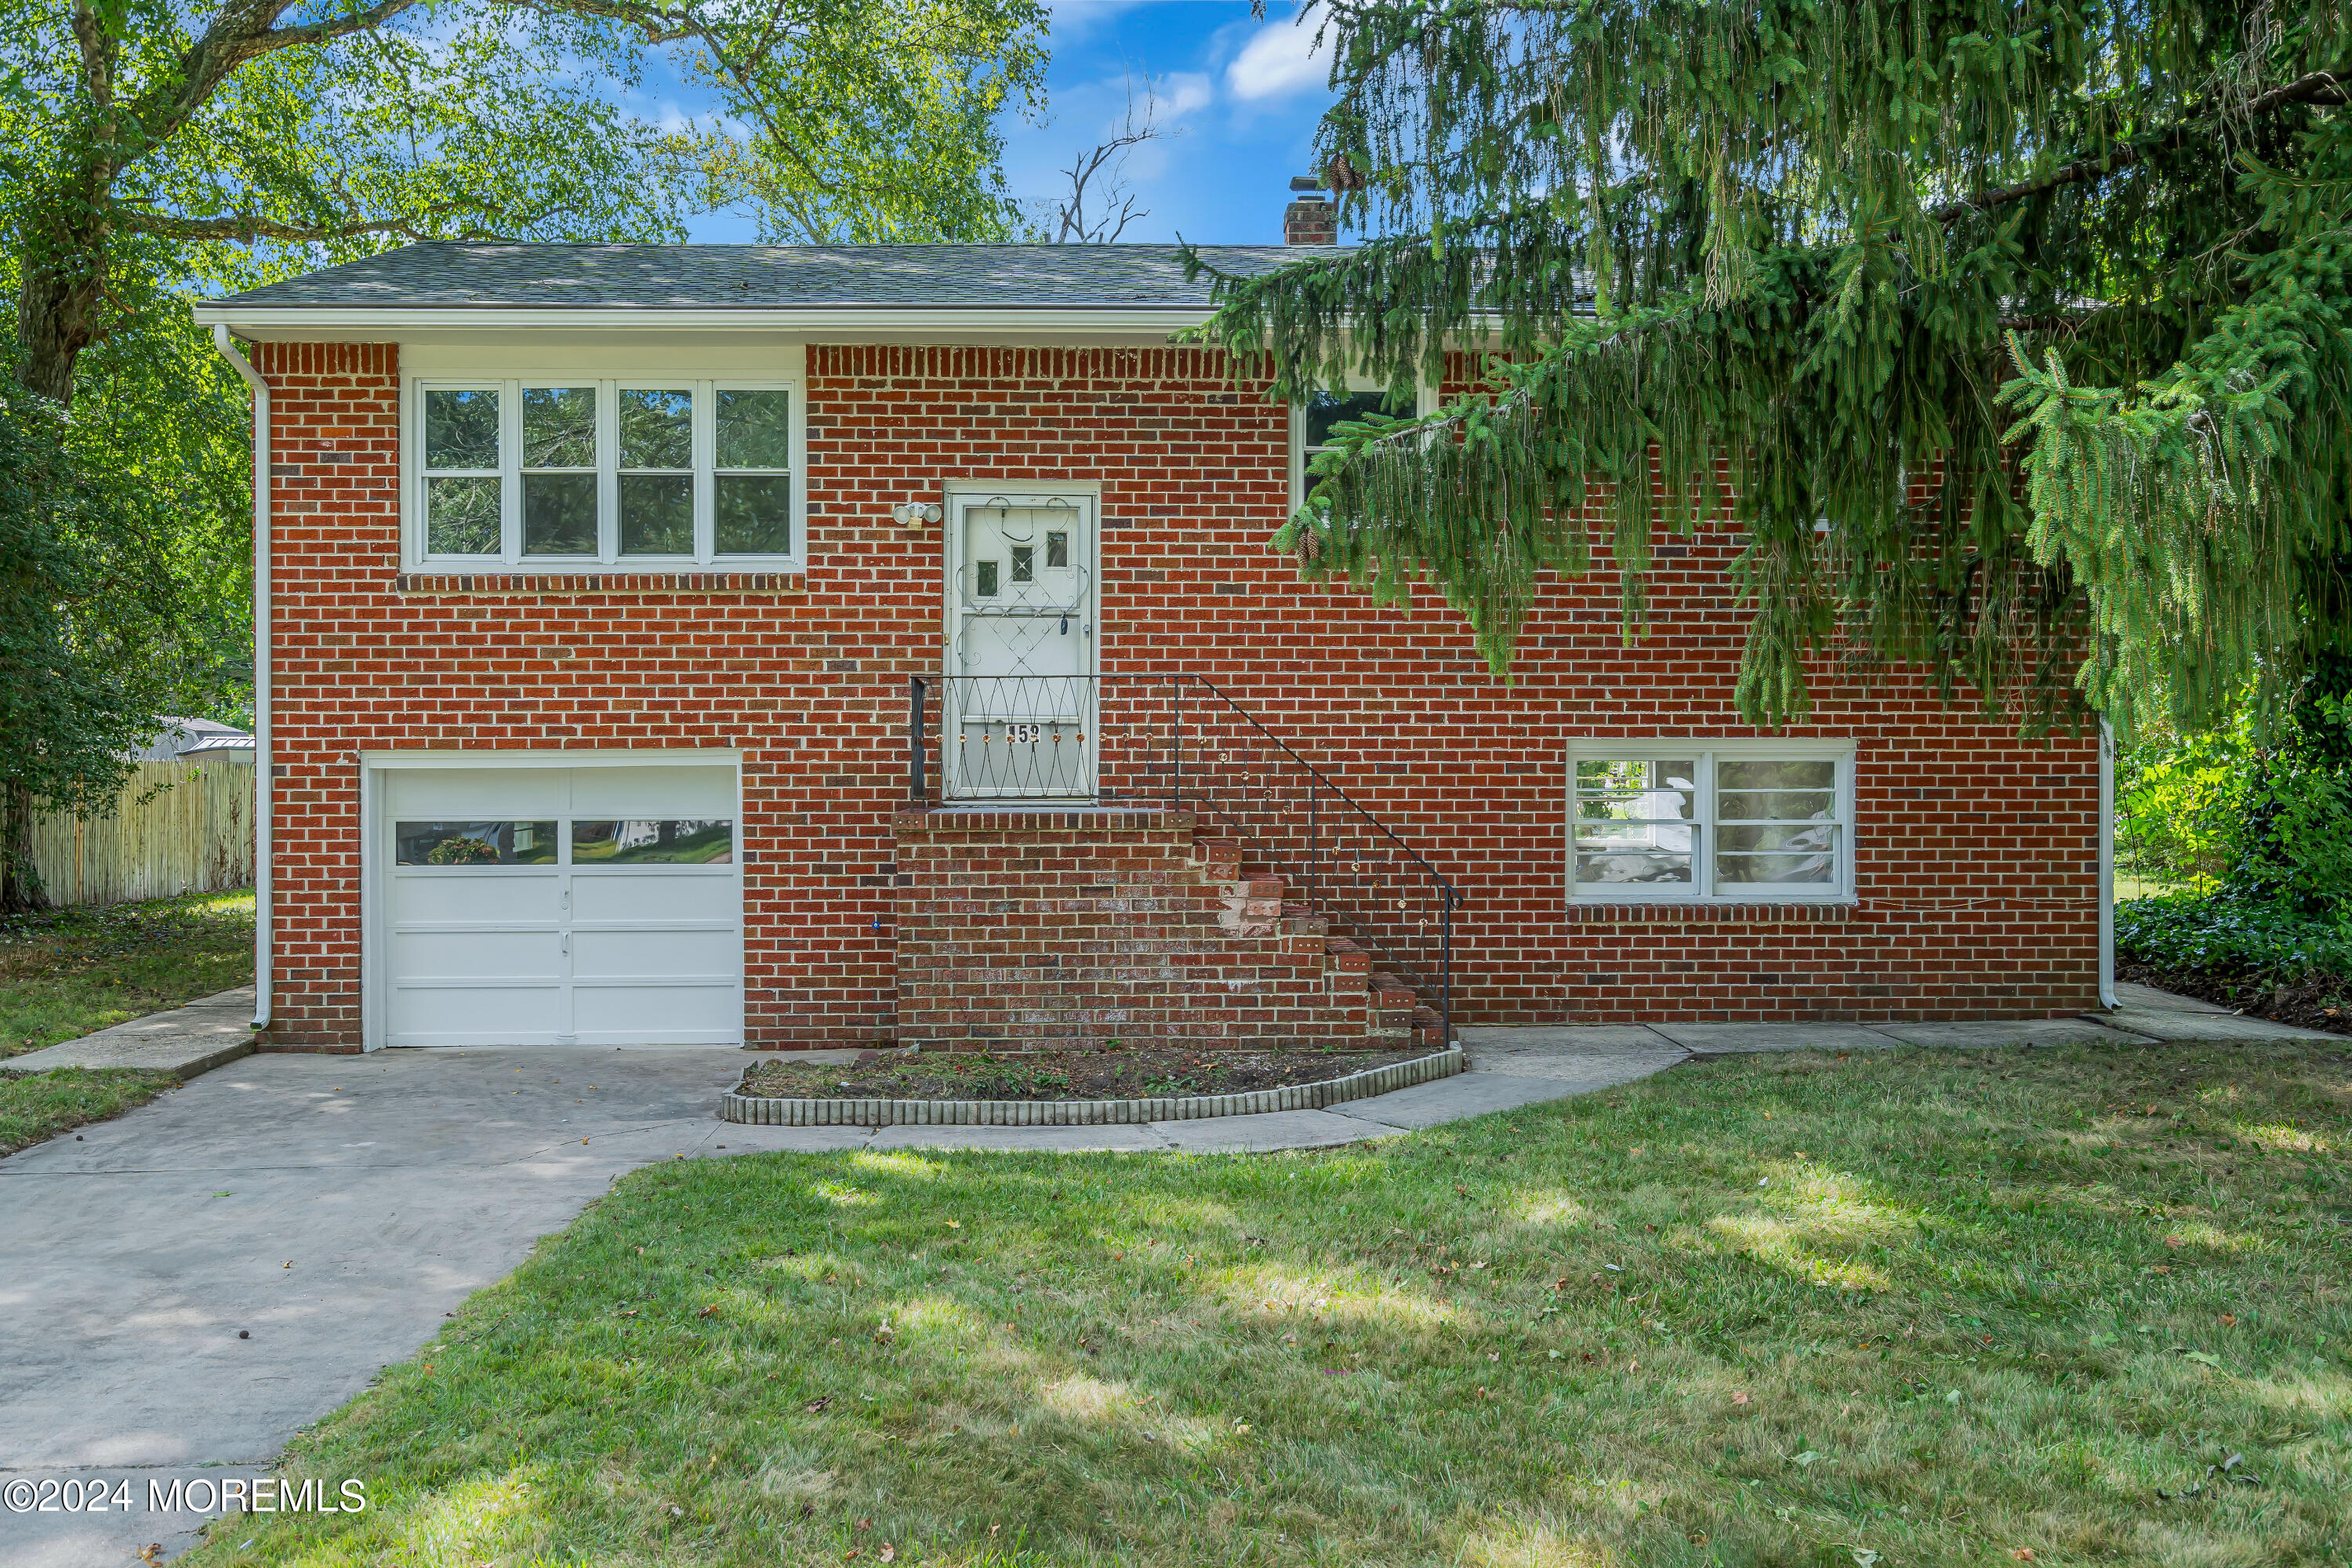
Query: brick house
{"x": 823, "y": 646}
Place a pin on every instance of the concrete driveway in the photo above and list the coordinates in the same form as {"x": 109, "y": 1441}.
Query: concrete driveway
{"x": 183, "y": 1288}
{"x": 332, "y": 1208}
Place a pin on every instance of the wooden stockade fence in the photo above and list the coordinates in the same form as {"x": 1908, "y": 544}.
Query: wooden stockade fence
{"x": 194, "y": 836}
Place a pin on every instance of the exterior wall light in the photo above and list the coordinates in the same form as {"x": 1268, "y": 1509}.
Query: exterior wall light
{"x": 915, "y": 513}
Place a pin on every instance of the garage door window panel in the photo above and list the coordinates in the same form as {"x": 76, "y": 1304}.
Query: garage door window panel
{"x": 506, "y": 843}
{"x": 683, "y": 841}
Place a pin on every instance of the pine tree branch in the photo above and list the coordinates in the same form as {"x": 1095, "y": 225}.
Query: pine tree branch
{"x": 2319, "y": 87}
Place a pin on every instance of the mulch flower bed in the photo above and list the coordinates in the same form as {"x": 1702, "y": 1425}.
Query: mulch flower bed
{"x": 2325, "y": 1002}
{"x": 1110, "y": 1073}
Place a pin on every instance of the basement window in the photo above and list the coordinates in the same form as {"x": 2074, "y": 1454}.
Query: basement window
{"x": 1721, "y": 822}
{"x": 586, "y": 474}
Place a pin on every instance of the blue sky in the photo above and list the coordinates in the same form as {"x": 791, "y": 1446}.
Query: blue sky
{"x": 1239, "y": 96}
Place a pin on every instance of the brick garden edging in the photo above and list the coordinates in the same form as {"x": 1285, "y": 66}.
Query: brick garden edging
{"x": 762, "y": 1112}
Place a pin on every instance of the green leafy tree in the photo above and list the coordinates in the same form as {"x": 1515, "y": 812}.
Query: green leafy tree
{"x": 146, "y": 145}
{"x": 2181, "y": 802}
{"x": 86, "y": 620}
{"x": 150, "y": 150}
{"x": 2013, "y": 334}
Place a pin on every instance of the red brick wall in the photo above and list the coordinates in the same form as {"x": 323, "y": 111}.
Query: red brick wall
{"x": 1976, "y": 852}
{"x": 1080, "y": 927}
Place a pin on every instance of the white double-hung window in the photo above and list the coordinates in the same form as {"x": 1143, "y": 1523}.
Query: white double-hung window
{"x": 562, "y": 474}
{"x": 1312, "y": 421}
{"x": 1728, "y": 822}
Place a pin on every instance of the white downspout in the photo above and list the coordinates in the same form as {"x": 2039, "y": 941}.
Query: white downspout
{"x": 262, "y": 792}
{"x": 2106, "y": 865}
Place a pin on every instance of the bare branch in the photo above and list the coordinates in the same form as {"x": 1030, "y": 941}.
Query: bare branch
{"x": 1115, "y": 205}
{"x": 655, "y": 23}
{"x": 364, "y": 20}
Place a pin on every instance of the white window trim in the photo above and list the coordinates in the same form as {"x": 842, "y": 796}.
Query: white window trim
{"x": 607, "y": 558}
{"x": 1701, "y": 891}
{"x": 1424, "y": 402}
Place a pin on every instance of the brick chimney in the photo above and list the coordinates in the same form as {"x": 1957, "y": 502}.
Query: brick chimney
{"x": 1311, "y": 218}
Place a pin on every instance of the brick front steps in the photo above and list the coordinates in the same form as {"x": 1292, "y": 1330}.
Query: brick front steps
{"x": 1021, "y": 929}
{"x": 761, "y": 1111}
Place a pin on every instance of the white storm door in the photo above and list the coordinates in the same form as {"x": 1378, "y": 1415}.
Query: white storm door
{"x": 558, "y": 906}
{"x": 1019, "y": 717}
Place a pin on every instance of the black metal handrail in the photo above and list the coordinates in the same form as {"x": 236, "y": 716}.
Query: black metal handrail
{"x": 1136, "y": 738}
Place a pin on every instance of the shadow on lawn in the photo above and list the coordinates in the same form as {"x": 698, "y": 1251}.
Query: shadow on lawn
{"x": 1911, "y": 1307}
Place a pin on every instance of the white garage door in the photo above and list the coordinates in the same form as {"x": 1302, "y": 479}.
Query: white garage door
{"x": 560, "y": 906}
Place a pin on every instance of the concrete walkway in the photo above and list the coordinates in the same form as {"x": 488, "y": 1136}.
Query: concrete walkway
{"x": 185, "y": 1041}
{"x": 332, "y": 1209}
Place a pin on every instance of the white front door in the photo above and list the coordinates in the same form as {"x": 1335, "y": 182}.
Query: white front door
{"x": 1020, "y": 708}
{"x": 559, "y": 905}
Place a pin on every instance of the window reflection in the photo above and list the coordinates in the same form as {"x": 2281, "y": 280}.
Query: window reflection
{"x": 676, "y": 841}
{"x": 474, "y": 843}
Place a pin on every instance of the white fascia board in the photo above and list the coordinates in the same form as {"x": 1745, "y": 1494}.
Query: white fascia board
{"x": 867, "y": 323}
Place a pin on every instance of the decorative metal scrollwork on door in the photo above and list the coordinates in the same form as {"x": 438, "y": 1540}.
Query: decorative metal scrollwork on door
{"x": 1021, "y": 688}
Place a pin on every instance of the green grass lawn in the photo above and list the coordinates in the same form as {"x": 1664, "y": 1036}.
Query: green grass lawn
{"x": 1892, "y": 1309}
{"x": 67, "y": 971}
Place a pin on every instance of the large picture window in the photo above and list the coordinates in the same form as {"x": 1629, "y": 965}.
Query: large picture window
{"x": 565, "y": 474}
{"x": 1735, "y": 824}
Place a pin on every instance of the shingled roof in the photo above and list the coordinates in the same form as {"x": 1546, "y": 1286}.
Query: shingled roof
{"x": 455, "y": 274}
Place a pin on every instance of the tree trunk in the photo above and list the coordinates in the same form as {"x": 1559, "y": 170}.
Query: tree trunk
{"x": 56, "y": 307}
{"x": 20, "y": 886}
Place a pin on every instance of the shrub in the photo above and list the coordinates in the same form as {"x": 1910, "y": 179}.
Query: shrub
{"x": 2230, "y": 941}
{"x": 2298, "y": 836}
{"x": 2180, "y": 803}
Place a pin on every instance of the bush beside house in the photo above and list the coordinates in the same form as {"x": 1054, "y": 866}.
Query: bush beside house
{"x": 2246, "y": 841}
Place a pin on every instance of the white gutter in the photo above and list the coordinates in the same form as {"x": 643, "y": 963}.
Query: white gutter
{"x": 2106, "y": 865}
{"x": 263, "y": 801}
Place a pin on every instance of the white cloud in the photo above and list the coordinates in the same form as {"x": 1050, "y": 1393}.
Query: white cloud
{"x": 1070, "y": 19}
{"x": 1182, "y": 92}
{"x": 1280, "y": 60}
